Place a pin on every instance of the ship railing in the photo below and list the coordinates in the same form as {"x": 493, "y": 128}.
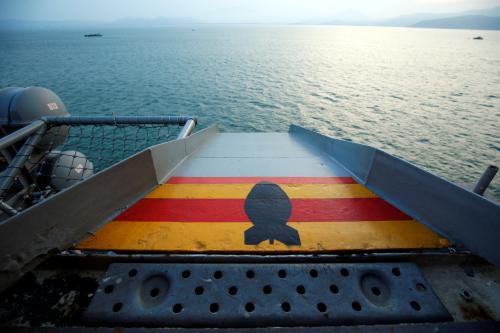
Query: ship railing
{"x": 54, "y": 153}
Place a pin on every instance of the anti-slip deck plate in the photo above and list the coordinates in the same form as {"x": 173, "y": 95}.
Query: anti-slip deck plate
{"x": 240, "y": 295}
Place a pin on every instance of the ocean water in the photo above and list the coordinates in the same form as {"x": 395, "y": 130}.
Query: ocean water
{"x": 431, "y": 97}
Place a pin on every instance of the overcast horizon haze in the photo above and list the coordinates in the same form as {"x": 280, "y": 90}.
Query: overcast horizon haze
{"x": 231, "y": 11}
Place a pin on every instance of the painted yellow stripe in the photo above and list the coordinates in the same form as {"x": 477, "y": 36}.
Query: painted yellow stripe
{"x": 240, "y": 191}
{"x": 228, "y": 237}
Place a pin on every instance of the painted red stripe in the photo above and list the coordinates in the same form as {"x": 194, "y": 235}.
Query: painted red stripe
{"x": 232, "y": 210}
{"x": 254, "y": 180}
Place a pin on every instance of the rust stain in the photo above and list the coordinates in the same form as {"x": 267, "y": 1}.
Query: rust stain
{"x": 474, "y": 311}
{"x": 200, "y": 245}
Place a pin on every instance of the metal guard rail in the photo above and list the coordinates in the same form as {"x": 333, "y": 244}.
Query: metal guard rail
{"x": 36, "y": 130}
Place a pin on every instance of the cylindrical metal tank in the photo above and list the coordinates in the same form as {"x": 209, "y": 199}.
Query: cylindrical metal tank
{"x": 21, "y": 106}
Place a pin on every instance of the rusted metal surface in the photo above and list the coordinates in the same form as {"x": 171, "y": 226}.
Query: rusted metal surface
{"x": 470, "y": 289}
{"x": 47, "y": 298}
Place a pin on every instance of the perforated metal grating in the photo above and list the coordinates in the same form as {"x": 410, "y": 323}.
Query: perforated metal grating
{"x": 252, "y": 295}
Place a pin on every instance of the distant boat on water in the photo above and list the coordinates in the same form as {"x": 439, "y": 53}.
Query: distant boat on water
{"x": 478, "y": 38}
{"x": 93, "y": 35}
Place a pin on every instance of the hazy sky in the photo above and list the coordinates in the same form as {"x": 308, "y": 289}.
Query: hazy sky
{"x": 223, "y": 11}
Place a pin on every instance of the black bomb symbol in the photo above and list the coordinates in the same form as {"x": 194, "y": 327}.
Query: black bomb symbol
{"x": 268, "y": 207}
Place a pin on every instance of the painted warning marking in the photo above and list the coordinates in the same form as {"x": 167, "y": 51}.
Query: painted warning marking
{"x": 229, "y": 237}
{"x": 240, "y": 191}
{"x": 242, "y": 214}
{"x": 232, "y": 210}
{"x": 269, "y": 208}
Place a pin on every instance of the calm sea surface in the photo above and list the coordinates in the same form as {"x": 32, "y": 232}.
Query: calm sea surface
{"x": 429, "y": 96}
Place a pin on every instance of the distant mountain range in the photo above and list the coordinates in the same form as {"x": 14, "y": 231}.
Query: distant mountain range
{"x": 487, "y": 19}
{"x": 129, "y": 22}
{"x": 132, "y": 22}
{"x": 484, "y": 19}
{"x": 478, "y": 22}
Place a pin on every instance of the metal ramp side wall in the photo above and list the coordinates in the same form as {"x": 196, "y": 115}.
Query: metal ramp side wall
{"x": 460, "y": 215}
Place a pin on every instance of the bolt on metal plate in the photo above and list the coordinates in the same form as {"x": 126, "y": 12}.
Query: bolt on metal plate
{"x": 256, "y": 295}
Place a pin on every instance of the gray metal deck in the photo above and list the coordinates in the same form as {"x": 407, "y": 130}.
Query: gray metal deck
{"x": 259, "y": 154}
{"x": 61, "y": 221}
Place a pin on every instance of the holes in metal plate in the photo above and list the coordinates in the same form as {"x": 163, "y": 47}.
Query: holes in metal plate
{"x": 313, "y": 273}
{"x": 375, "y": 288}
{"x": 186, "y": 273}
{"x": 249, "y": 307}
{"x": 132, "y": 272}
{"x": 217, "y": 275}
{"x": 109, "y": 289}
{"x": 285, "y": 306}
{"x": 415, "y": 306}
{"x": 396, "y": 271}
{"x": 250, "y": 274}
{"x": 301, "y": 289}
{"x": 356, "y": 306}
{"x": 344, "y": 272}
{"x": 282, "y": 273}
{"x": 117, "y": 307}
{"x": 334, "y": 289}
{"x": 214, "y": 307}
{"x": 267, "y": 289}
{"x": 420, "y": 287}
{"x": 154, "y": 292}
{"x": 199, "y": 290}
{"x": 321, "y": 307}
{"x": 233, "y": 290}
{"x": 376, "y": 291}
{"x": 177, "y": 308}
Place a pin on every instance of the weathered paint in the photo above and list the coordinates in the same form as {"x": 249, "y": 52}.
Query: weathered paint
{"x": 229, "y": 237}
{"x": 240, "y": 191}
{"x": 231, "y": 210}
{"x": 196, "y": 214}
